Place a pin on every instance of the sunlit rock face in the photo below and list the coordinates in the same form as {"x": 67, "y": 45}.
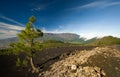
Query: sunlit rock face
{"x": 99, "y": 62}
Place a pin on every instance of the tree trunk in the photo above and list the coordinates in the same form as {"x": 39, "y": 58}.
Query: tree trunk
{"x": 34, "y": 69}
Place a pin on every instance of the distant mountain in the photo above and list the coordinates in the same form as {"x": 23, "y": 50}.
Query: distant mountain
{"x": 67, "y": 38}
{"x": 64, "y": 37}
{"x": 90, "y": 40}
{"x": 6, "y": 42}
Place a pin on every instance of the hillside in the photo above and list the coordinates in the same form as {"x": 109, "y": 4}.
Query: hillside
{"x": 63, "y": 37}
{"x": 69, "y": 38}
{"x": 107, "y": 40}
{"x": 99, "y": 62}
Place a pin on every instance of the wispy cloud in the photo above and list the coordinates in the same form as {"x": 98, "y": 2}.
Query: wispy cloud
{"x": 111, "y": 4}
{"x": 37, "y": 9}
{"x": 60, "y": 29}
{"x": 96, "y": 4}
{"x": 9, "y": 26}
{"x": 9, "y": 30}
{"x": 92, "y": 4}
{"x": 11, "y": 20}
{"x": 37, "y": 6}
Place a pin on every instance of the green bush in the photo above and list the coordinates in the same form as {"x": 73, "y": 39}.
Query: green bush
{"x": 107, "y": 40}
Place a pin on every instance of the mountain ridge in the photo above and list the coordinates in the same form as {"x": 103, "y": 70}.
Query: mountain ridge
{"x": 64, "y": 37}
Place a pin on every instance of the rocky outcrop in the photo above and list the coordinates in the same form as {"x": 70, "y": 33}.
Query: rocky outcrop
{"x": 99, "y": 62}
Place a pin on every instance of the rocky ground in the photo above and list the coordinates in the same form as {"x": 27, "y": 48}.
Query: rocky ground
{"x": 98, "y": 62}
{"x": 81, "y": 61}
{"x": 43, "y": 60}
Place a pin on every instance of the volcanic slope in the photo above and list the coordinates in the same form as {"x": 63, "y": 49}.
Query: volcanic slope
{"x": 98, "y": 62}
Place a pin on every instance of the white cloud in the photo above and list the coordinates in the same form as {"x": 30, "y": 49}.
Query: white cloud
{"x": 97, "y": 34}
{"x": 82, "y": 34}
{"x": 8, "y": 30}
{"x": 9, "y": 26}
{"x": 7, "y": 34}
{"x": 87, "y": 30}
{"x": 11, "y": 20}
{"x": 97, "y": 4}
{"x": 58, "y": 30}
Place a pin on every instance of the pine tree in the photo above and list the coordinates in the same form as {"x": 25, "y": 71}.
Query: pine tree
{"x": 27, "y": 44}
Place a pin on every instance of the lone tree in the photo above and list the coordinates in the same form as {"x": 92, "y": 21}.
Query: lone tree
{"x": 27, "y": 43}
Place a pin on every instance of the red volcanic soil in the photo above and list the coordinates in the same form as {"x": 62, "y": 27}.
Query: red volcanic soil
{"x": 43, "y": 60}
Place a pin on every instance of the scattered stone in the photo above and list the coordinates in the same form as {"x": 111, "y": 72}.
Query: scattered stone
{"x": 73, "y": 67}
{"x": 78, "y": 64}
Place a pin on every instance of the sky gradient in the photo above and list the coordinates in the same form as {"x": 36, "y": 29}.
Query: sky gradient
{"x": 87, "y": 18}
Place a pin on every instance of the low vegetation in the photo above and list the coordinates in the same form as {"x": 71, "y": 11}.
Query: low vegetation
{"x": 54, "y": 44}
{"x": 106, "y": 41}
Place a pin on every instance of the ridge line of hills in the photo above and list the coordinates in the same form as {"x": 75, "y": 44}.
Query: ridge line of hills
{"x": 68, "y": 38}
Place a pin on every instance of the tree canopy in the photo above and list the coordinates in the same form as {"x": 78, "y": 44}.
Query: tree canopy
{"x": 27, "y": 43}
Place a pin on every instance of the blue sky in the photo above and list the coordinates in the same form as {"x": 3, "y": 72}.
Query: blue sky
{"x": 87, "y": 18}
